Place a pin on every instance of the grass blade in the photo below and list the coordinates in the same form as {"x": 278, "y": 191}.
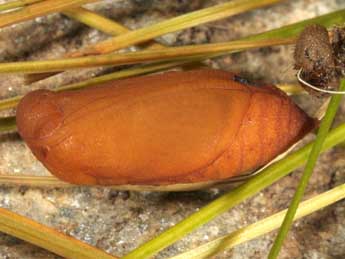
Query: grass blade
{"x": 263, "y": 226}
{"x": 286, "y": 34}
{"x": 137, "y": 57}
{"x": 175, "y": 24}
{"x": 32, "y": 180}
{"x": 17, "y": 4}
{"x": 7, "y": 124}
{"x": 38, "y": 9}
{"x": 102, "y": 23}
{"x": 47, "y": 238}
{"x": 184, "y": 21}
{"x": 93, "y": 20}
{"x": 325, "y": 125}
{"x": 264, "y": 179}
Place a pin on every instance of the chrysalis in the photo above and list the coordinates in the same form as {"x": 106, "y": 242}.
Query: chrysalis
{"x": 175, "y": 127}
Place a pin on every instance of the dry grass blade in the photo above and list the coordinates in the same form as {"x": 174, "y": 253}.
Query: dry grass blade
{"x": 101, "y": 23}
{"x": 139, "y": 57}
{"x": 32, "y": 180}
{"x": 178, "y": 23}
{"x": 150, "y": 32}
{"x": 17, "y": 4}
{"x": 8, "y": 124}
{"x": 263, "y": 226}
{"x": 48, "y": 238}
{"x": 95, "y": 21}
{"x": 52, "y": 181}
{"x": 39, "y": 9}
{"x": 290, "y": 89}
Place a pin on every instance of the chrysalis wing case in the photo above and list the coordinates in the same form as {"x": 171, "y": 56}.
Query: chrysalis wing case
{"x": 175, "y": 127}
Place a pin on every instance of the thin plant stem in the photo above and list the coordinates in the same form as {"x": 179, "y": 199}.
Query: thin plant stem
{"x": 95, "y": 21}
{"x": 325, "y": 125}
{"x": 248, "y": 189}
{"x": 288, "y": 31}
{"x": 175, "y": 24}
{"x": 33, "y": 180}
{"x": 263, "y": 226}
{"x": 290, "y": 89}
{"x": 47, "y": 238}
{"x": 101, "y": 23}
{"x": 38, "y": 9}
{"x": 172, "y": 53}
{"x": 17, "y": 4}
{"x": 8, "y": 124}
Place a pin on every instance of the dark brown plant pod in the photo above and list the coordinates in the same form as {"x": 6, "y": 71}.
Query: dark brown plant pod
{"x": 315, "y": 58}
{"x": 170, "y": 128}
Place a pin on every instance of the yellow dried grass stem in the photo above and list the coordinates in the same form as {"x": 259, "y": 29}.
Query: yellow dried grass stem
{"x": 39, "y": 9}
{"x": 32, "y": 180}
{"x": 290, "y": 89}
{"x": 175, "y": 24}
{"x": 263, "y": 226}
{"x": 47, "y": 238}
{"x": 95, "y": 21}
{"x": 17, "y": 4}
{"x": 185, "y": 21}
{"x": 173, "y": 53}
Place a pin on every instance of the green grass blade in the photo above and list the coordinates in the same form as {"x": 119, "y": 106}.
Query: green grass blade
{"x": 263, "y": 226}
{"x": 264, "y": 179}
{"x": 325, "y": 125}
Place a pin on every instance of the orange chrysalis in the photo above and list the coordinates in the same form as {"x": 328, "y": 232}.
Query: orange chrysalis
{"x": 175, "y": 127}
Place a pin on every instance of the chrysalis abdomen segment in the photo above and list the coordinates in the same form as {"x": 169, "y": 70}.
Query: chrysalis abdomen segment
{"x": 176, "y": 127}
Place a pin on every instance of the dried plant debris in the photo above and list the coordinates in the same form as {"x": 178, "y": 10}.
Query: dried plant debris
{"x": 320, "y": 55}
{"x": 338, "y": 44}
